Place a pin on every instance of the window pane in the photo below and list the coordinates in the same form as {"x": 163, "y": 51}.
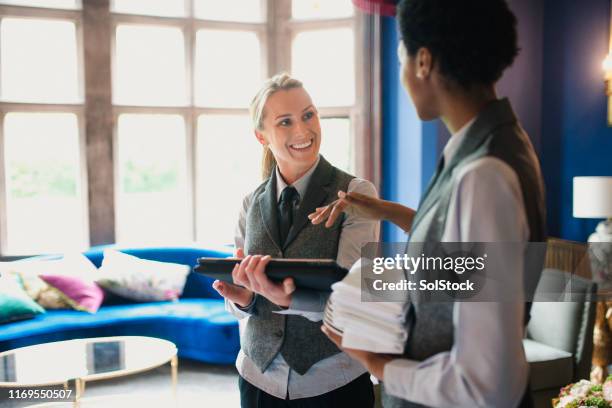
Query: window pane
{"x": 336, "y": 143}
{"x": 228, "y": 168}
{"x": 221, "y": 77}
{"x": 150, "y": 66}
{"x": 169, "y": 8}
{"x": 64, "y": 4}
{"x": 313, "y": 9}
{"x": 324, "y": 60}
{"x": 42, "y": 161}
{"x": 153, "y": 204}
{"x": 39, "y": 60}
{"x": 229, "y": 10}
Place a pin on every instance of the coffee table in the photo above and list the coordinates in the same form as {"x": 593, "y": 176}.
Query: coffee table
{"x": 80, "y": 361}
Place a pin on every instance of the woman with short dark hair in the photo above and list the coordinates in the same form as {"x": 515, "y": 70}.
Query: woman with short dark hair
{"x": 487, "y": 188}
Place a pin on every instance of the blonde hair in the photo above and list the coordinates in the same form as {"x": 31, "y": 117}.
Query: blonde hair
{"x": 279, "y": 82}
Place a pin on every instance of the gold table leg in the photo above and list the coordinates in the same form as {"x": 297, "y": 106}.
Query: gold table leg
{"x": 79, "y": 390}
{"x": 174, "y": 374}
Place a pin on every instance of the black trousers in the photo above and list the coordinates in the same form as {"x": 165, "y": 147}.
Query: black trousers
{"x": 359, "y": 393}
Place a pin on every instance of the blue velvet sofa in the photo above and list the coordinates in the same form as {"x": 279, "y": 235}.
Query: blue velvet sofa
{"x": 197, "y": 323}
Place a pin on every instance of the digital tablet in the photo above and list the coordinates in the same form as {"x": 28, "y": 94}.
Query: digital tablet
{"x": 317, "y": 274}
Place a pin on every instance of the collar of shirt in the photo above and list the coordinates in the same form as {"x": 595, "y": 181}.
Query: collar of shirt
{"x": 300, "y": 184}
{"x": 453, "y": 143}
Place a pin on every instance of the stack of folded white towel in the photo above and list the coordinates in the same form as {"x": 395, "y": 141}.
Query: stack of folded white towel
{"x": 373, "y": 326}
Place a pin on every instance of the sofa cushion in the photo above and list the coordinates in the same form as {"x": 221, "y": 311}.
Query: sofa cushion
{"x": 549, "y": 367}
{"x": 15, "y": 304}
{"x": 73, "y": 267}
{"x": 196, "y": 286}
{"x": 80, "y": 294}
{"x": 141, "y": 279}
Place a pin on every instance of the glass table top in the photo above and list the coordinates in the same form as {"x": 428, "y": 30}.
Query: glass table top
{"x": 88, "y": 359}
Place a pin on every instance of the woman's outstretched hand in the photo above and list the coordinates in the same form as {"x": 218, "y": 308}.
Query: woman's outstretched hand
{"x": 350, "y": 203}
{"x": 234, "y": 293}
{"x": 364, "y": 206}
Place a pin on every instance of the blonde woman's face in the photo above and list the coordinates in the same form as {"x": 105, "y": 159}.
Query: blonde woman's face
{"x": 291, "y": 129}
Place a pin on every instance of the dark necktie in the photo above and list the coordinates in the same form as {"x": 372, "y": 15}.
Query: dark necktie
{"x": 285, "y": 212}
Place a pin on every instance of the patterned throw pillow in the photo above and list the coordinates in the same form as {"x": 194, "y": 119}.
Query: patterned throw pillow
{"x": 140, "y": 279}
{"x": 80, "y": 294}
{"x": 15, "y": 304}
{"x": 74, "y": 270}
{"x": 29, "y": 273}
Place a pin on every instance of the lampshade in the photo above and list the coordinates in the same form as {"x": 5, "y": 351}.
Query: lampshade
{"x": 593, "y": 197}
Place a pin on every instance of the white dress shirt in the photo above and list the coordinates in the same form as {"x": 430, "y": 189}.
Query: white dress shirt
{"x": 332, "y": 372}
{"x": 486, "y": 366}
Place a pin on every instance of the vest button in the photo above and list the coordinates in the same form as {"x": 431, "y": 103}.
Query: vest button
{"x": 279, "y": 334}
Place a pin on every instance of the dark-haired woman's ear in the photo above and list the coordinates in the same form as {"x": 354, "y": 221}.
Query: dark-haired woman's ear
{"x": 424, "y": 63}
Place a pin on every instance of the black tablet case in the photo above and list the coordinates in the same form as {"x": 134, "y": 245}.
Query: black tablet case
{"x": 315, "y": 274}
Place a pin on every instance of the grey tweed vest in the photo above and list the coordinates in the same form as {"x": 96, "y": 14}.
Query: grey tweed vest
{"x": 495, "y": 133}
{"x": 299, "y": 340}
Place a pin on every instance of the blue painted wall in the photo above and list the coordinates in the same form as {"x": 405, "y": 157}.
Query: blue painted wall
{"x": 576, "y": 139}
{"x": 556, "y": 89}
{"x": 408, "y": 154}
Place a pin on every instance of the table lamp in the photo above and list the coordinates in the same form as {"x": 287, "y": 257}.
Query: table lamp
{"x": 593, "y": 199}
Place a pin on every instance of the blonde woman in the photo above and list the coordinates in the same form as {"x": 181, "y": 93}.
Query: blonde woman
{"x": 285, "y": 360}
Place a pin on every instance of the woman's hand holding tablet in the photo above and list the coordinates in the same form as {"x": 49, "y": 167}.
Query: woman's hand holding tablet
{"x": 248, "y": 277}
{"x": 234, "y": 293}
{"x": 285, "y": 274}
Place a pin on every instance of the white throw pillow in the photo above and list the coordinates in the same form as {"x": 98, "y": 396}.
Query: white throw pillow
{"x": 141, "y": 279}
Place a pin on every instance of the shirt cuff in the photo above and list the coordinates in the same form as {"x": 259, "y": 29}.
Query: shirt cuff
{"x": 309, "y": 300}
{"x": 398, "y": 375}
{"x": 248, "y": 308}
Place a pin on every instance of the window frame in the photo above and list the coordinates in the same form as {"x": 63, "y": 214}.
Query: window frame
{"x": 97, "y": 113}
{"x": 359, "y": 113}
{"x": 189, "y": 25}
{"x": 77, "y": 108}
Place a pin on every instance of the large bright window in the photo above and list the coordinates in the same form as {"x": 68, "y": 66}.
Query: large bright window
{"x": 43, "y": 183}
{"x": 149, "y": 66}
{"x": 216, "y": 58}
{"x": 230, "y": 10}
{"x": 323, "y": 52}
{"x": 152, "y": 182}
{"x": 227, "y": 167}
{"x": 330, "y": 84}
{"x": 320, "y": 9}
{"x": 61, "y": 4}
{"x": 127, "y": 120}
{"x": 43, "y": 203}
{"x": 39, "y": 60}
{"x": 227, "y": 68}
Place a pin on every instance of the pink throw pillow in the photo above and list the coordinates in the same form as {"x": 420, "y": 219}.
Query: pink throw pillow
{"x": 79, "y": 293}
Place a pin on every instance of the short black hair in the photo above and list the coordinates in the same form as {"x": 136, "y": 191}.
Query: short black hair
{"x": 471, "y": 41}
